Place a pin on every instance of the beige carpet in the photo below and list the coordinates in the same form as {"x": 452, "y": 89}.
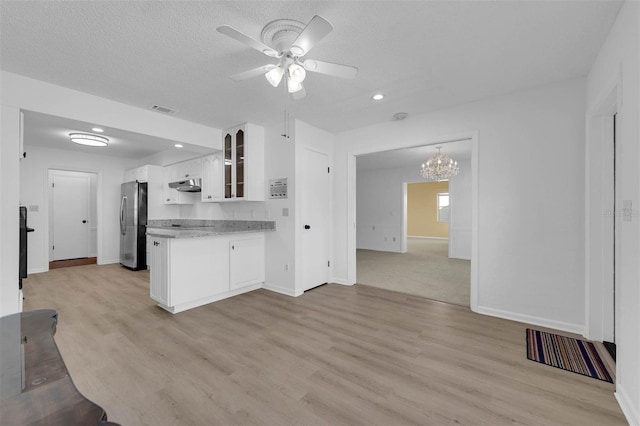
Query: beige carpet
{"x": 425, "y": 270}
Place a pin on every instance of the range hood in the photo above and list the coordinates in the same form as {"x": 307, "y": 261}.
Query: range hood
{"x": 188, "y": 185}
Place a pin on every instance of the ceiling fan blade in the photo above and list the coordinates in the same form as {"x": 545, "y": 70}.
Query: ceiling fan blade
{"x": 252, "y": 73}
{"x": 337, "y": 70}
{"x": 316, "y": 30}
{"x": 229, "y": 31}
{"x": 299, "y": 94}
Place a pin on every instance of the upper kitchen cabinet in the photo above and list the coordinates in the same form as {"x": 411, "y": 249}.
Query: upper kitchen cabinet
{"x": 243, "y": 155}
{"x": 191, "y": 169}
{"x": 211, "y": 178}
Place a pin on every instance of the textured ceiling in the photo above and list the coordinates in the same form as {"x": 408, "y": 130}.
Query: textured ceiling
{"x": 423, "y": 55}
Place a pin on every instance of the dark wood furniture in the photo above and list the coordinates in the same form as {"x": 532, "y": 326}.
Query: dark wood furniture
{"x": 35, "y": 387}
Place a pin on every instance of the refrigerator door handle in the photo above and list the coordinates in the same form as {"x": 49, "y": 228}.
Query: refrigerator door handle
{"x": 123, "y": 207}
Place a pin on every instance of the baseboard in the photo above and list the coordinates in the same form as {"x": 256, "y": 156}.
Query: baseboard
{"x": 528, "y": 319}
{"x": 108, "y": 262}
{"x": 281, "y": 290}
{"x": 36, "y": 271}
{"x": 629, "y": 411}
{"x": 427, "y": 238}
{"x": 340, "y": 281}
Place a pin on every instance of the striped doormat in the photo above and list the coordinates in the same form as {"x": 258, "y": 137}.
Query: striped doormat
{"x": 566, "y": 353}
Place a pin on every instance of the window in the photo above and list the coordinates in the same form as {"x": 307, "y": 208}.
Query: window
{"x": 443, "y": 207}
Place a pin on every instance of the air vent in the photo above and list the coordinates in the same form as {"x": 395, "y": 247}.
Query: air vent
{"x": 163, "y": 109}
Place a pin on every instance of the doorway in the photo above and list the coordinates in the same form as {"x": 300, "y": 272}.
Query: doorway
{"x": 402, "y": 224}
{"x": 72, "y": 218}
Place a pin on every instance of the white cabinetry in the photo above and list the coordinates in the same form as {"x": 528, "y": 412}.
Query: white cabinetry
{"x": 246, "y": 262}
{"x": 190, "y": 272}
{"x": 211, "y": 178}
{"x": 179, "y": 171}
{"x": 243, "y": 155}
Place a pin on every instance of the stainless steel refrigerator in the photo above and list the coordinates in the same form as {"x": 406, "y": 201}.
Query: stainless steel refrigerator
{"x": 133, "y": 224}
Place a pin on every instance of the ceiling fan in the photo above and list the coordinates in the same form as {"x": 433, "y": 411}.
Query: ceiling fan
{"x": 288, "y": 41}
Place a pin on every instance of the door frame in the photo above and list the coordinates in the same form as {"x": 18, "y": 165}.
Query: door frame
{"x": 473, "y": 136}
{"x": 598, "y": 202}
{"x": 48, "y": 207}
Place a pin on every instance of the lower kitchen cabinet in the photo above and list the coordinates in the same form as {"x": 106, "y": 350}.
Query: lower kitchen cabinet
{"x": 190, "y": 272}
{"x": 246, "y": 262}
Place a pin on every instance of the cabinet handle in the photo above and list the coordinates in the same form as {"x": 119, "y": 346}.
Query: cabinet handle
{"x": 168, "y": 199}
{"x": 187, "y": 175}
{"x": 209, "y": 196}
{"x": 307, "y": 227}
{"x": 233, "y": 247}
{"x": 155, "y": 243}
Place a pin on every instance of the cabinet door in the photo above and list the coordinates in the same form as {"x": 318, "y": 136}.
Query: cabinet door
{"x": 228, "y": 166}
{"x": 159, "y": 285}
{"x": 246, "y": 262}
{"x": 239, "y": 152}
{"x": 194, "y": 168}
{"x": 212, "y": 178}
{"x": 199, "y": 268}
{"x": 170, "y": 195}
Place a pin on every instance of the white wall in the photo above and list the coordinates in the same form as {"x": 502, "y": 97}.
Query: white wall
{"x": 380, "y": 208}
{"x": 616, "y": 72}
{"x": 530, "y": 239}
{"x": 24, "y": 93}
{"x": 460, "y": 195}
{"x": 34, "y": 190}
{"x": 9, "y": 220}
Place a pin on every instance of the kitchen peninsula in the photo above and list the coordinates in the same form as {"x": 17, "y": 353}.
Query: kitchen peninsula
{"x": 196, "y": 262}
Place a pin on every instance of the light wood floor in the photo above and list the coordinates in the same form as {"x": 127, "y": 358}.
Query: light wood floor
{"x": 336, "y": 355}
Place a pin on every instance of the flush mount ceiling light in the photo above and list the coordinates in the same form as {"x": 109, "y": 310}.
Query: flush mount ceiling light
{"x": 439, "y": 167}
{"x": 97, "y": 129}
{"x": 289, "y": 41}
{"x": 88, "y": 139}
{"x": 178, "y": 145}
{"x": 378, "y": 97}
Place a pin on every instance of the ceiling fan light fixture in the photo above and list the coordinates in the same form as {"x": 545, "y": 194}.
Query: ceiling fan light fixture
{"x": 88, "y": 139}
{"x": 297, "y": 73}
{"x": 293, "y": 86}
{"x": 270, "y": 52}
{"x": 274, "y": 76}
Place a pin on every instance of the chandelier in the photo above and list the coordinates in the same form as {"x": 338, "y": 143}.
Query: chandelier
{"x": 439, "y": 167}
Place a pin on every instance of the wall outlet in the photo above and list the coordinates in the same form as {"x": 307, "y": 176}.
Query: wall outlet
{"x": 394, "y": 239}
{"x": 285, "y": 211}
{"x": 34, "y": 208}
{"x": 385, "y": 239}
{"x": 286, "y": 267}
{"x": 373, "y": 228}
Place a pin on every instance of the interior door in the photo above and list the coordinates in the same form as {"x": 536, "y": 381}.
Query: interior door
{"x": 315, "y": 219}
{"x": 70, "y": 196}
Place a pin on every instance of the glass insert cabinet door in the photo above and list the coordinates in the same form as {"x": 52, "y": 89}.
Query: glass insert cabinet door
{"x": 239, "y": 163}
{"x": 228, "y": 166}
{"x": 234, "y": 164}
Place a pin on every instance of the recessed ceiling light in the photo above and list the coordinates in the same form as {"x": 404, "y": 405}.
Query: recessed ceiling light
{"x": 97, "y": 129}
{"x": 377, "y": 97}
{"x": 87, "y": 139}
{"x": 178, "y": 145}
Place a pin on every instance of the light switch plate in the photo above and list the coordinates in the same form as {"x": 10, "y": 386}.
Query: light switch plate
{"x": 34, "y": 208}
{"x": 285, "y": 211}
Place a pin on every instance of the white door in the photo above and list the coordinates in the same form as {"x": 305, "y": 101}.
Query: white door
{"x": 315, "y": 219}
{"x": 70, "y": 214}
